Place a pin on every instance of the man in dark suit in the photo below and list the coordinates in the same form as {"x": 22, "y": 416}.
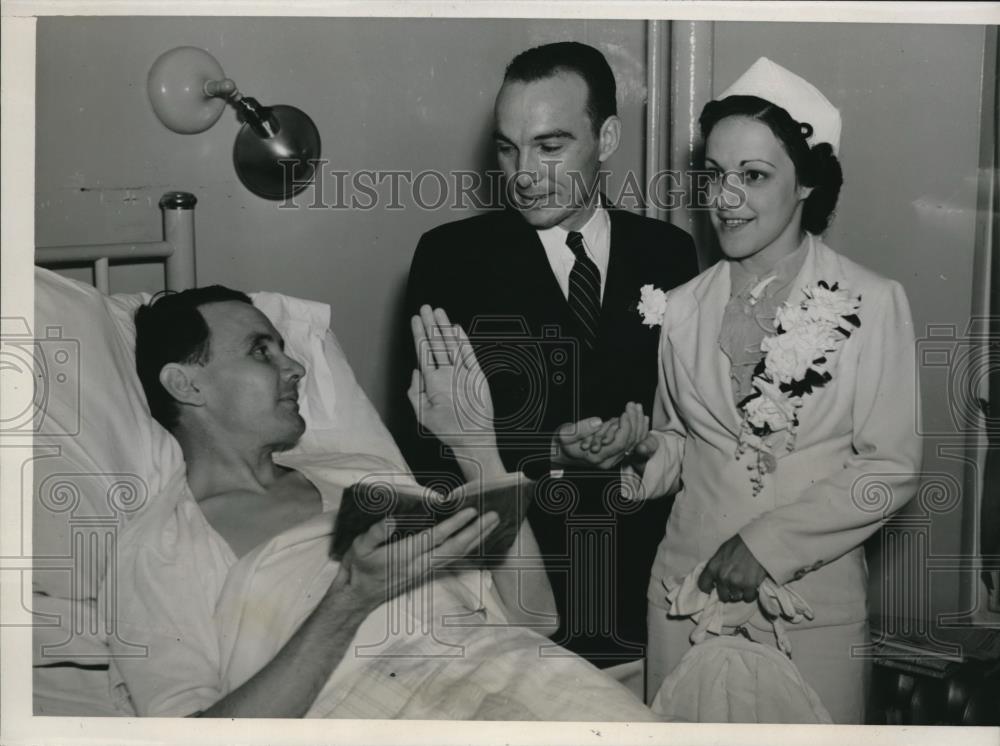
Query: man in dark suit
{"x": 547, "y": 290}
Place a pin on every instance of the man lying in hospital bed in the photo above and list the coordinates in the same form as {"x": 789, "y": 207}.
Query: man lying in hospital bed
{"x": 211, "y": 611}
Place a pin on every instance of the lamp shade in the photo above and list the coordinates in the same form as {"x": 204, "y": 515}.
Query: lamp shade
{"x": 276, "y": 150}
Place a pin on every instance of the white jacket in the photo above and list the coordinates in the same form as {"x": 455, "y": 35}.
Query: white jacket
{"x": 856, "y": 459}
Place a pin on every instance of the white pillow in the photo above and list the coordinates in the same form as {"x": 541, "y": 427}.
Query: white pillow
{"x": 100, "y": 456}
{"x": 339, "y": 416}
{"x": 98, "y": 452}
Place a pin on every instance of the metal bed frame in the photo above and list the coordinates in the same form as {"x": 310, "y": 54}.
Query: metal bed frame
{"x": 176, "y": 248}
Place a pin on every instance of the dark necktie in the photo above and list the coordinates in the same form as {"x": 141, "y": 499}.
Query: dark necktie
{"x": 584, "y": 290}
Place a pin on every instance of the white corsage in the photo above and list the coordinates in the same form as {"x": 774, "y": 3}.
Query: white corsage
{"x": 652, "y": 305}
{"x": 795, "y": 363}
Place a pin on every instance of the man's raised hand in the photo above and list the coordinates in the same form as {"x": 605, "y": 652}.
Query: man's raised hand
{"x": 448, "y": 391}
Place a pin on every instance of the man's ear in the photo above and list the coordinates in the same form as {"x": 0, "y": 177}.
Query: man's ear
{"x": 609, "y": 138}
{"x": 180, "y": 384}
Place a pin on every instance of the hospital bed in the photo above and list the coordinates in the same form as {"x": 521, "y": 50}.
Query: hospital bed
{"x": 99, "y": 457}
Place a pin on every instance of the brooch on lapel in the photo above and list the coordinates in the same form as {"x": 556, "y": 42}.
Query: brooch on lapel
{"x": 794, "y": 364}
{"x": 652, "y": 305}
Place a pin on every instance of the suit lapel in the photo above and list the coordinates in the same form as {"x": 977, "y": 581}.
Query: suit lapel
{"x": 807, "y": 273}
{"x": 696, "y": 341}
{"x": 618, "y": 284}
{"x": 519, "y": 270}
{"x": 523, "y": 259}
{"x": 715, "y": 360}
{"x": 820, "y": 264}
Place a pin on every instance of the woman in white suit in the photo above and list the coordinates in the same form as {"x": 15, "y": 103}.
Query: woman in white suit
{"x": 789, "y": 446}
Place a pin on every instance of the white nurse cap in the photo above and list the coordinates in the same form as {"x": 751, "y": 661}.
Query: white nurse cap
{"x": 800, "y": 98}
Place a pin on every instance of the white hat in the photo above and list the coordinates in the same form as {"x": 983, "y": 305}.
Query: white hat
{"x": 797, "y": 96}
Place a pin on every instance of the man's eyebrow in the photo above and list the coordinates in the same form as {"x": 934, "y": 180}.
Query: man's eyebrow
{"x": 745, "y": 162}
{"x": 255, "y": 338}
{"x": 554, "y": 135}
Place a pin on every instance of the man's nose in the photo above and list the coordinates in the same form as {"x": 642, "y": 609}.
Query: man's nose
{"x": 527, "y": 170}
{"x": 293, "y": 368}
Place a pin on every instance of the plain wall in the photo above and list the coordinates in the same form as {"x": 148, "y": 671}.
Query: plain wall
{"x": 394, "y": 94}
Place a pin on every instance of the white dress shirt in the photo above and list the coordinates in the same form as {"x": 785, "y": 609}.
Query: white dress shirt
{"x": 596, "y": 240}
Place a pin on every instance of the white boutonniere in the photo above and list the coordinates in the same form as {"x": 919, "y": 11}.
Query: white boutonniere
{"x": 652, "y": 305}
{"x": 795, "y": 363}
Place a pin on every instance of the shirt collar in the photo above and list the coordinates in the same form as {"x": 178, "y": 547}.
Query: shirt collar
{"x": 596, "y": 234}
{"x": 781, "y": 274}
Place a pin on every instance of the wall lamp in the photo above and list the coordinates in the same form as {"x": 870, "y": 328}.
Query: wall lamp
{"x": 277, "y": 147}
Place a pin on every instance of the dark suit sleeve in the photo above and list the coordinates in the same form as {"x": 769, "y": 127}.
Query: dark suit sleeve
{"x": 424, "y": 283}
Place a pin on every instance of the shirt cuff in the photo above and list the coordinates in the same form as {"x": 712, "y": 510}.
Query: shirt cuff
{"x": 540, "y": 468}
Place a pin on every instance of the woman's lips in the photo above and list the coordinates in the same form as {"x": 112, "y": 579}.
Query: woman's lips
{"x": 732, "y": 224}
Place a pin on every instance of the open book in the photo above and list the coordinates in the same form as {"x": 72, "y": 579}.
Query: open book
{"x": 414, "y": 509}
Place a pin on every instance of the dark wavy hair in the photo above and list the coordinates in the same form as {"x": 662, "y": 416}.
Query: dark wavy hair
{"x": 547, "y": 60}
{"x": 815, "y": 166}
{"x": 171, "y": 329}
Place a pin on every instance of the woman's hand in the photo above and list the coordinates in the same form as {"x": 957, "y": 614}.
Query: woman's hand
{"x": 642, "y": 453}
{"x": 593, "y": 443}
{"x": 733, "y": 571}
